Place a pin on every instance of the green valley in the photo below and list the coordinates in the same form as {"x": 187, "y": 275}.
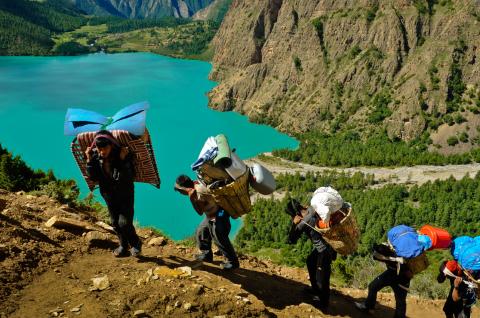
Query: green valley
{"x": 52, "y": 28}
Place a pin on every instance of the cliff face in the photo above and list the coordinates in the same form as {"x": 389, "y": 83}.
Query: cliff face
{"x": 143, "y": 8}
{"x": 333, "y": 65}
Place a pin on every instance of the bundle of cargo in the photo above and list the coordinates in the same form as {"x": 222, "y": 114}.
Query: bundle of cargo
{"x": 466, "y": 251}
{"x": 128, "y": 128}
{"x": 408, "y": 248}
{"x": 228, "y": 178}
{"x": 337, "y": 222}
{"x": 436, "y": 238}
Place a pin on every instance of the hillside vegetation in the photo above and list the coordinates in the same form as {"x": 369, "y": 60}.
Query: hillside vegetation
{"x": 348, "y": 149}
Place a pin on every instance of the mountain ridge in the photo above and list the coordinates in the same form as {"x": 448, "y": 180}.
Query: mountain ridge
{"x": 140, "y": 9}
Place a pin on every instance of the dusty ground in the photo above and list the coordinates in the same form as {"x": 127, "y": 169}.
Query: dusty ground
{"x": 47, "y": 272}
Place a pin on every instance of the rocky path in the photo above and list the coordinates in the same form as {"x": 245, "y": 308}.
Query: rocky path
{"x": 51, "y": 272}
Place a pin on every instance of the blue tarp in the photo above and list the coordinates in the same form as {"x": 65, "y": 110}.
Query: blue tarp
{"x": 131, "y": 119}
{"x": 404, "y": 240}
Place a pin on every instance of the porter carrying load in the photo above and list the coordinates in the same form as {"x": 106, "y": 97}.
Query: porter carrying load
{"x": 227, "y": 177}
{"x": 128, "y": 128}
{"x": 409, "y": 248}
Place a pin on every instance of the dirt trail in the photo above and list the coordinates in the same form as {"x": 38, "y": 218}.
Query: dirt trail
{"x": 47, "y": 272}
{"x": 398, "y": 175}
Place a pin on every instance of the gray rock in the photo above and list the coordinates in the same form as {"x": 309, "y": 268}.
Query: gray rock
{"x": 139, "y": 313}
{"x": 198, "y": 289}
{"x": 100, "y": 283}
{"x": 157, "y": 241}
{"x": 169, "y": 309}
{"x": 96, "y": 237}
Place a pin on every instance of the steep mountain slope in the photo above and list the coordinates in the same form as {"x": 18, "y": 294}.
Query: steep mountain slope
{"x": 47, "y": 272}
{"x": 215, "y": 11}
{"x": 407, "y": 66}
{"x": 142, "y": 8}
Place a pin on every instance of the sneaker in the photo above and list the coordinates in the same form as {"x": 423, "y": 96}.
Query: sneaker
{"x": 360, "y": 305}
{"x": 319, "y": 303}
{"x": 135, "y": 251}
{"x": 204, "y": 257}
{"x": 230, "y": 266}
{"x": 120, "y": 252}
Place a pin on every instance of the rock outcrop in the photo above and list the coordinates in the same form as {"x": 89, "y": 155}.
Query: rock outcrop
{"x": 331, "y": 65}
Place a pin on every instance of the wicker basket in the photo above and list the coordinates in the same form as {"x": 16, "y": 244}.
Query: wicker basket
{"x": 141, "y": 147}
{"x": 234, "y": 198}
{"x": 417, "y": 264}
{"x": 344, "y": 236}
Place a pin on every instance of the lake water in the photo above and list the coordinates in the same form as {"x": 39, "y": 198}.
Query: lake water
{"x": 36, "y": 91}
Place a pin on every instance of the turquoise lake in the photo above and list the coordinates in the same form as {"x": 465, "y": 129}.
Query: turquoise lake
{"x": 35, "y": 93}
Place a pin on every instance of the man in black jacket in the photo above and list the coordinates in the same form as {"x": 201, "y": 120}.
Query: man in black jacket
{"x": 110, "y": 165}
{"x": 320, "y": 259}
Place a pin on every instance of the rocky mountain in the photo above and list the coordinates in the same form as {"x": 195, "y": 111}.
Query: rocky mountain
{"x": 407, "y": 66}
{"x": 143, "y": 8}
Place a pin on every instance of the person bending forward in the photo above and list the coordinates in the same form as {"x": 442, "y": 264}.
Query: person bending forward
{"x": 216, "y": 225}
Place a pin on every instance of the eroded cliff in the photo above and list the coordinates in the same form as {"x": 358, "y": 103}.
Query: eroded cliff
{"x": 407, "y": 66}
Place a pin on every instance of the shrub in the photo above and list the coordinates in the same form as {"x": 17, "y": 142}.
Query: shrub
{"x": 452, "y": 140}
{"x": 354, "y": 51}
{"x": 380, "y": 105}
{"x": 298, "y": 63}
{"x": 463, "y": 137}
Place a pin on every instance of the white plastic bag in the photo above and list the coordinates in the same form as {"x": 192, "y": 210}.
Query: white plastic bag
{"x": 325, "y": 201}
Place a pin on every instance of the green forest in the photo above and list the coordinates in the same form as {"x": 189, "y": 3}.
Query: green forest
{"x": 348, "y": 149}
{"x": 26, "y": 27}
{"x": 450, "y": 204}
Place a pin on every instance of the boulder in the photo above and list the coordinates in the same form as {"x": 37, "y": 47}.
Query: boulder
{"x": 100, "y": 283}
{"x": 96, "y": 238}
{"x": 157, "y": 241}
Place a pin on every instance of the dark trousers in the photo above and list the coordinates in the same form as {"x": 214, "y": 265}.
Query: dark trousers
{"x": 121, "y": 217}
{"x": 390, "y": 278}
{"x": 455, "y": 309}
{"x": 217, "y": 230}
{"x": 319, "y": 270}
